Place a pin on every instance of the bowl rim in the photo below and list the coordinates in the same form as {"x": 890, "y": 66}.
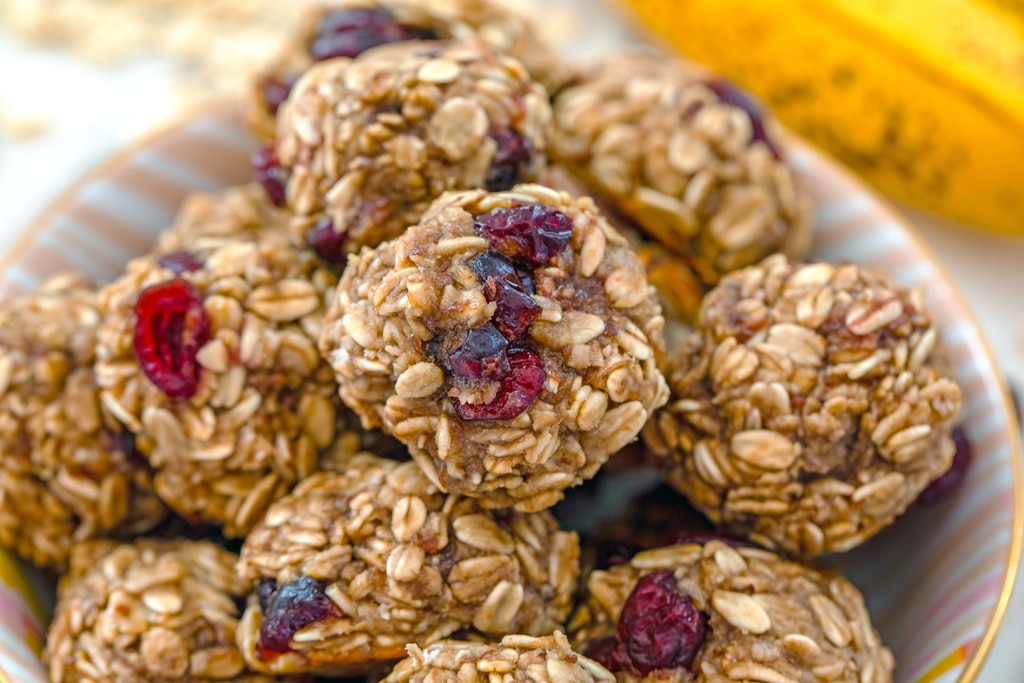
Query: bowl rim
{"x": 976, "y": 660}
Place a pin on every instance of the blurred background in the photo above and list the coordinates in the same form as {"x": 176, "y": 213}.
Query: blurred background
{"x": 930, "y": 110}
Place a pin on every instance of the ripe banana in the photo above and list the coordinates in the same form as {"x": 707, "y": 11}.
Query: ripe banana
{"x": 924, "y": 98}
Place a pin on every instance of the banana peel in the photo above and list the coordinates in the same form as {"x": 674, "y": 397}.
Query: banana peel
{"x": 924, "y": 99}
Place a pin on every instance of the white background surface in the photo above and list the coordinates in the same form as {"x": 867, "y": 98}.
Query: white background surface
{"x": 91, "y": 112}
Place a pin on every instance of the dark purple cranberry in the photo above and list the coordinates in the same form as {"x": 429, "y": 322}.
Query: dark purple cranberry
{"x": 609, "y": 653}
{"x": 951, "y": 478}
{"x": 531, "y": 233}
{"x": 326, "y": 242}
{"x": 348, "y": 33}
{"x": 171, "y": 326}
{"x": 265, "y": 591}
{"x": 518, "y": 390}
{"x": 482, "y": 356}
{"x": 613, "y": 553}
{"x": 730, "y": 93}
{"x": 526, "y": 280}
{"x": 275, "y": 90}
{"x": 511, "y": 159}
{"x": 659, "y": 627}
{"x": 516, "y": 310}
{"x": 181, "y": 262}
{"x": 292, "y": 607}
{"x": 702, "y": 537}
{"x": 270, "y": 173}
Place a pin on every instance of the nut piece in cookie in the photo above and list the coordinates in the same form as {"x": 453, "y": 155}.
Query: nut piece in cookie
{"x": 365, "y": 145}
{"x": 515, "y": 659}
{"x": 211, "y": 360}
{"x": 688, "y": 157}
{"x": 809, "y": 409}
{"x": 511, "y": 340}
{"x": 68, "y": 471}
{"x": 352, "y": 566}
{"x": 148, "y": 611}
{"x": 717, "y": 611}
{"x": 347, "y": 28}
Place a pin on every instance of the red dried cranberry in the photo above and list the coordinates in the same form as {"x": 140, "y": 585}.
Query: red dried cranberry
{"x": 526, "y": 280}
{"x": 532, "y": 233}
{"x": 270, "y": 173}
{"x": 181, "y": 262}
{"x": 511, "y": 159}
{"x": 275, "y": 90}
{"x": 516, "y": 310}
{"x": 659, "y": 627}
{"x": 518, "y": 390}
{"x": 954, "y": 476}
{"x": 730, "y": 93}
{"x": 293, "y": 606}
{"x": 703, "y": 537}
{"x": 171, "y": 326}
{"x": 609, "y": 653}
{"x": 326, "y": 242}
{"x": 348, "y": 33}
{"x": 482, "y": 356}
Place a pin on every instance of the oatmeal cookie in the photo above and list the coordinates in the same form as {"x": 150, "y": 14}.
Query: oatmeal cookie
{"x": 713, "y": 612}
{"x": 349, "y": 27}
{"x": 516, "y": 659}
{"x": 211, "y": 360}
{"x": 688, "y": 157}
{"x": 367, "y": 144}
{"x": 68, "y": 473}
{"x": 148, "y": 611}
{"x": 807, "y": 410}
{"x": 353, "y": 566}
{"x": 510, "y": 340}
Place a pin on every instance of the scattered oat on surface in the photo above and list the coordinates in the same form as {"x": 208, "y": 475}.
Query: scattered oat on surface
{"x": 808, "y": 410}
{"x": 663, "y": 149}
{"x": 404, "y": 563}
{"x": 68, "y": 473}
{"x": 769, "y": 620}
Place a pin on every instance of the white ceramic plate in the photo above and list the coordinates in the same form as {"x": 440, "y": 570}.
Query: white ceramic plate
{"x": 937, "y": 583}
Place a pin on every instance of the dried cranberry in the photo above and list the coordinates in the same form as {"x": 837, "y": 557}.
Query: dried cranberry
{"x": 270, "y": 173}
{"x": 516, "y": 310}
{"x": 951, "y": 478}
{"x": 511, "y": 159}
{"x": 181, "y": 262}
{"x": 326, "y": 242}
{"x": 728, "y": 92}
{"x": 526, "y": 280}
{"x": 703, "y": 537}
{"x": 171, "y": 326}
{"x": 609, "y": 653}
{"x": 265, "y": 591}
{"x": 532, "y": 233}
{"x": 292, "y": 607}
{"x": 518, "y": 390}
{"x": 483, "y": 356}
{"x": 659, "y": 627}
{"x": 275, "y": 90}
{"x": 348, "y": 33}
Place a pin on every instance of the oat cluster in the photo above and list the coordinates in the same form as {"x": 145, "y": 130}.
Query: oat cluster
{"x": 369, "y": 143}
{"x": 148, "y": 611}
{"x": 402, "y": 308}
{"x": 808, "y": 410}
{"x": 699, "y": 174}
{"x": 769, "y": 619}
{"x": 266, "y": 404}
{"x": 516, "y": 658}
{"x": 239, "y": 212}
{"x": 403, "y": 563}
{"x": 68, "y": 472}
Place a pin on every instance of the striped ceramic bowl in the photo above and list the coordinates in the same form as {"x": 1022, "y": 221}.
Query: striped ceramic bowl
{"x": 937, "y": 583}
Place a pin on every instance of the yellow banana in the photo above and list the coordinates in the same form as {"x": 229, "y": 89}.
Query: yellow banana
{"x": 925, "y": 98}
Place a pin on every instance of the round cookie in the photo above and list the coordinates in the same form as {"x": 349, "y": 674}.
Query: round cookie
{"x": 210, "y": 359}
{"x": 516, "y": 659}
{"x": 511, "y": 340}
{"x": 349, "y": 27}
{"x": 703, "y": 612}
{"x": 808, "y": 410}
{"x": 68, "y": 472}
{"x": 689, "y": 158}
{"x": 365, "y": 145}
{"x": 352, "y": 566}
